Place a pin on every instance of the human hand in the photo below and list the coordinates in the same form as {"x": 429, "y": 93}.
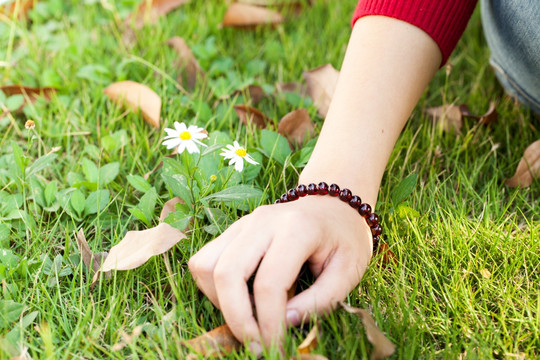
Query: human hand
{"x": 276, "y": 240}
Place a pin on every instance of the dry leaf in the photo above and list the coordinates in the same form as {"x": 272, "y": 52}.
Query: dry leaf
{"x": 485, "y": 273}
{"x": 310, "y": 357}
{"x": 150, "y": 10}
{"x": 295, "y": 7}
{"x": 321, "y": 84}
{"x": 17, "y": 8}
{"x": 449, "y": 117}
{"x": 137, "y": 247}
{"x": 491, "y": 116}
{"x": 249, "y": 115}
{"x": 168, "y": 207}
{"x": 248, "y": 16}
{"x": 528, "y": 167}
{"x": 388, "y": 257}
{"x": 90, "y": 260}
{"x": 382, "y": 347}
{"x": 31, "y": 94}
{"x": 191, "y": 71}
{"x": 310, "y": 342}
{"x": 296, "y": 126}
{"x": 136, "y": 96}
{"x": 253, "y": 92}
{"x": 294, "y": 87}
{"x": 217, "y": 342}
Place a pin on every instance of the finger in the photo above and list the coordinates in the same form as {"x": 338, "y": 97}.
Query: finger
{"x": 234, "y": 267}
{"x": 276, "y": 275}
{"x": 203, "y": 263}
{"x": 338, "y": 278}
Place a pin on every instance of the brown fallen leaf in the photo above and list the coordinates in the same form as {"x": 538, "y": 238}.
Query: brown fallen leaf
{"x": 249, "y": 115}
{"x": 137, "y": 247}
{"x": 150, "y": 10}
{"x": 528, "y": 168}
{"x": 188, "y": 64}
{"x": 249, "y": 16}
{"x": 31, "y": 94}
{"x": 296, "y": 126}
{"x": 491, "y": 116}
{"x": 310, "y": 357}
{"x": 253, "y": 92}
{"x": 217, "y": 342}
{"x": 91, "y": 260}
{"x": 321, "y": 84}
{"x": 17, "y": 8}
{"x": 168, "y": 207}
{"x": 294, "y": 87}
{"x": 136, "y": 96}
{"x": 382, "y": 347}
{"x": 449, "y": 117}
{"x": 485, "y": 273}
{"x": 388, "y": 256}
{"x": 310, "y": 342}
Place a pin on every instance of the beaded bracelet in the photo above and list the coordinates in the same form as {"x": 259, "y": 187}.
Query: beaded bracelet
{"x": 345, "y": 195}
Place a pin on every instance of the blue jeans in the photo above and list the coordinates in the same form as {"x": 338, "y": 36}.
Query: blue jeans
{"x": 512, "y": 30}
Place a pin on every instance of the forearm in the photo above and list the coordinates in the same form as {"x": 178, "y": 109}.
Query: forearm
{"x": 387, "y": 66}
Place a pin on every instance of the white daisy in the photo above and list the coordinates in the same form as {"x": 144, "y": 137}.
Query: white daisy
{"x": 184, "y": 137}
{"x": 237, "y": 154}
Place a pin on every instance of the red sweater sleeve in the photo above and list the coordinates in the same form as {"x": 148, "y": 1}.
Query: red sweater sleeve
{"x": 443, "y": 20}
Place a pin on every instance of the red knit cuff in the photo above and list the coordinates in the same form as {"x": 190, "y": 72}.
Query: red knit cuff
{"x": 443, "y": 20}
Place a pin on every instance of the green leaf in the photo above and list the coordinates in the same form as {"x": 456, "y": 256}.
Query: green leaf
{"x": 96, "y": 202}
{"x": 236, "y": 193}
{"x": 139, "y": 214}
{"x": 147, "y": 203}
{"x": 50, "y": 192}
{"x": 107, "y": 173}
{"x": 5, "y": 230}
{"x": 19, "y": 157}
{"x": 90, "y": 170}
{"x": 139, "y": 183}
{"x": 77, "y": 202}
{"x": 178, "y": 185}
{"x": 9, "y": 312}
{"x": 14, "y": 102}
{"x": 179, "y": 219}
{"x": 275, "y": 146}
{"x": 211, "y": 149}
{"x": 95, "y": 72}
{"x": 41, "y": 163}
{"x": 403, "y": 189}
{"x": 8, "y": 258}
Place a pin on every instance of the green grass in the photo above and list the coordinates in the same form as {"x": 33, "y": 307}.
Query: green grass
{"x": 434, "y": 303}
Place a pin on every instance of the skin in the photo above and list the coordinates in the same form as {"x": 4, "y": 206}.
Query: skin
{"x": 387, "y": 66}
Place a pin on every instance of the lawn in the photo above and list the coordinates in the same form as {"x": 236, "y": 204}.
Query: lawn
{"x": 465, "y": 280}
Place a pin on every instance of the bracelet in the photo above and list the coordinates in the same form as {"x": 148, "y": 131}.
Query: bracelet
{"x": 345, "y": 195}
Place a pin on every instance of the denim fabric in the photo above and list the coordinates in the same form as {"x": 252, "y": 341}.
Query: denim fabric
{"x": 512, "y": 30}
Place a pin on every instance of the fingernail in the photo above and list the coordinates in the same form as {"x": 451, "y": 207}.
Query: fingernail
{"x": 293, "y": 318}
{"x": 255, "y": 348}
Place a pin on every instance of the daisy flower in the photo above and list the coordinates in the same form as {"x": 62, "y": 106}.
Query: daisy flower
{"x": 184, "y": 137}
{"x": 237, "y": 155}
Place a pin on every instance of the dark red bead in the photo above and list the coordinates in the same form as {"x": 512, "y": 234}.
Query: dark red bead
{"x": 376, "y": 240}
{"x": 376, "y": 230}
{"x": 372, "y": 219}
{"x": 333, "y": 190}
{"x": 355, "y": 201}
{"x": 283, "y": 198}
{"x": 301, "y": 190}
{"x": 323, "y": 188}
{"x": 292, "y": 195}
{"x": 312, "y": 189}
{"x": 345, "y": 195}
{"x": 364, "y": 209}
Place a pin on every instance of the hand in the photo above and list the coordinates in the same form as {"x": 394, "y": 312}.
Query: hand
{"x": 276, "y": 240}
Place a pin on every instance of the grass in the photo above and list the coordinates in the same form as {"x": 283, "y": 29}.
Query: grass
{"x": 460, "y": 219}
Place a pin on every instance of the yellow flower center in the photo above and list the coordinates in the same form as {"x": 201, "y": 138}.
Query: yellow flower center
{"x": 240, "y": 152}
{"x": 185, "y": 135}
